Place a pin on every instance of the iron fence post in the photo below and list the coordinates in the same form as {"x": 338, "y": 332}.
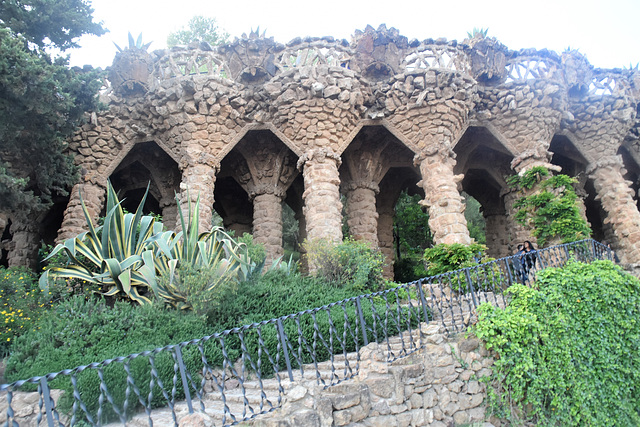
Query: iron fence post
{"x": 362, "y": 325}
{"x": 46, "y": 397}
{"x": 183, "y": 374}
{"x": 509, "y": 273}
{"x": 285, "y": 349}
{"x": 473, "y": 292}
{"x": 423, "y": 301}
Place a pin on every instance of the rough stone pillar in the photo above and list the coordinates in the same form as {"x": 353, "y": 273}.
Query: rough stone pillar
{"x": 361, "y": 211}
{"x": 24, "y": 244}
{"x": 74, "y": 222}
{"x": 267, "y": 223}
{"x": 198, "y": 180}
{"x": 616, "y": 196}
{"x": 497, "y": 233}
{"x": 169, "y": 212}
{"x": 517, "y": 233}
{"x": 322, "y": 205}
{"x": 385, "y": 239}
{"x": 442, "y": 198}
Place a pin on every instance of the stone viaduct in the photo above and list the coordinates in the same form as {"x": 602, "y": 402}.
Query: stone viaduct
{"x": 254, "y": 124}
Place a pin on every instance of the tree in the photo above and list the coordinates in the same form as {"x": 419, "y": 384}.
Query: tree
{"x": 200, "y": 28}
{"x": 50, "y": 23}
{"x": 42, "y": 100}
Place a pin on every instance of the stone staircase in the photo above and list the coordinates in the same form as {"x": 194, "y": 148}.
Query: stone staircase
{"x": 250, "y": 398}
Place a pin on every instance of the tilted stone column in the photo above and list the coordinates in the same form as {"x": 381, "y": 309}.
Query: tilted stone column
{"x": 361, "y": 211}
{"x": 93, "y": 195}
{"x": 616, "y": 196}
{"x": 442, "y": 198}
{"x": 198, "y": 180}
{"x": 322, "y": 205}
{"x": 267, "y": 222}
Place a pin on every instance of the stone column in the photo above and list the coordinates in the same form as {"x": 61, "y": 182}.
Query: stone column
{"x": 517, "y": 233}
{"x": 198, "y": 180}
{"x": 361, "y": 211}
{"x": 322, "y": 205}
{"x": 93, "y": 194}
{"x": 267, "y": 222}
{"x": 442, "y": 198}
{"x": 385, "y": 239}
{"x": 169, "y": 212}
{"x": 24, "y": 244}
{"x": 497, "y": 232}
{"x": 616, "y": 196}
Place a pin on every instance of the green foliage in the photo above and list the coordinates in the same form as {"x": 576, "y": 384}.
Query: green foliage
{"x": 48, "y": 23}
{"x": 411, "y": 224}
{"x": 21, "y": 303}
{"x": 409, "y": 268}
{"x": 199, "y": 28}
{"x": 475, "y": 219}
{"x": 551, "y": 212}
{"x": 79, "y": 332}
{"x": 119, "y": 259}
{"x": 568, "y": 351}
{"x": 194, "y": 265}
{"x": 42, "y": 102}
{"x": 276, "y": 294}
{"x": 443, "y": 257}
{"x": 352, "y": 263}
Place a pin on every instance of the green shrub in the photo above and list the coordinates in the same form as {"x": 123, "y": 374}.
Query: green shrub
{"x": 78, "y": 332}
{"x": 567, "y": 353}
{"x": 551, "y": 212}
{"x": 276, "y": 294}
{"x": 443, "y": 257}
{"x": 409, "y": 268}
{"x": 21, "y": 303}
{"x": 352, "y": 263}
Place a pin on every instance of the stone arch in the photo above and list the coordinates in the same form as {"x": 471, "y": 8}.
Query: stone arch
{"x": 373, "y": 154}
{"x": 145, "y": 164}
{"x": 259, "y": 127}
{"x": 485, "y": 161}
{"x": 396, "y": 180}
{"x": 263, "y": 167}
{"x": 382, "y": 123}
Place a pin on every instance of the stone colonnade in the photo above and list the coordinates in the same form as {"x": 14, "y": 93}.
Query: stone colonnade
{"x": 257, "y": 124}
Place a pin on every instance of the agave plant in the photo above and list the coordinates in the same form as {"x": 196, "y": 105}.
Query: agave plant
{"x": 117, "y": 256}
{"x": 137, "y": 44}
{"x": 213, "y": 252}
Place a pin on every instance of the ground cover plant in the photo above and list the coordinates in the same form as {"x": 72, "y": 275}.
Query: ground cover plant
{"x": 567, "y": 352}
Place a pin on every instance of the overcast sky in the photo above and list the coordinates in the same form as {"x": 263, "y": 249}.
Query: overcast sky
{"x": 606, "y": 31}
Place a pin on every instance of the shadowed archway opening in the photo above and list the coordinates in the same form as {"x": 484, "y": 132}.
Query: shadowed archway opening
{"x": 251, "y": 188}
{"x": 485, "y": 163}
{"x": 148, "y": 165}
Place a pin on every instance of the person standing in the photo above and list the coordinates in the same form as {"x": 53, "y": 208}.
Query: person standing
{"x": 528, "y": 259}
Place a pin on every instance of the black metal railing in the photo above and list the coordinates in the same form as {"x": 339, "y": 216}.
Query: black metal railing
{"x": 240, "y": 373}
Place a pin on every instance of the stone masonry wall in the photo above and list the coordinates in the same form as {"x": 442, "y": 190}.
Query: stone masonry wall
{"x": 437, "y": 386}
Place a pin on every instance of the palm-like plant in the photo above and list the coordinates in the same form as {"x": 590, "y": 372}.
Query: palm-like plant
{"x": 190, "y": 252}
{"x": 118, "y": 256}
